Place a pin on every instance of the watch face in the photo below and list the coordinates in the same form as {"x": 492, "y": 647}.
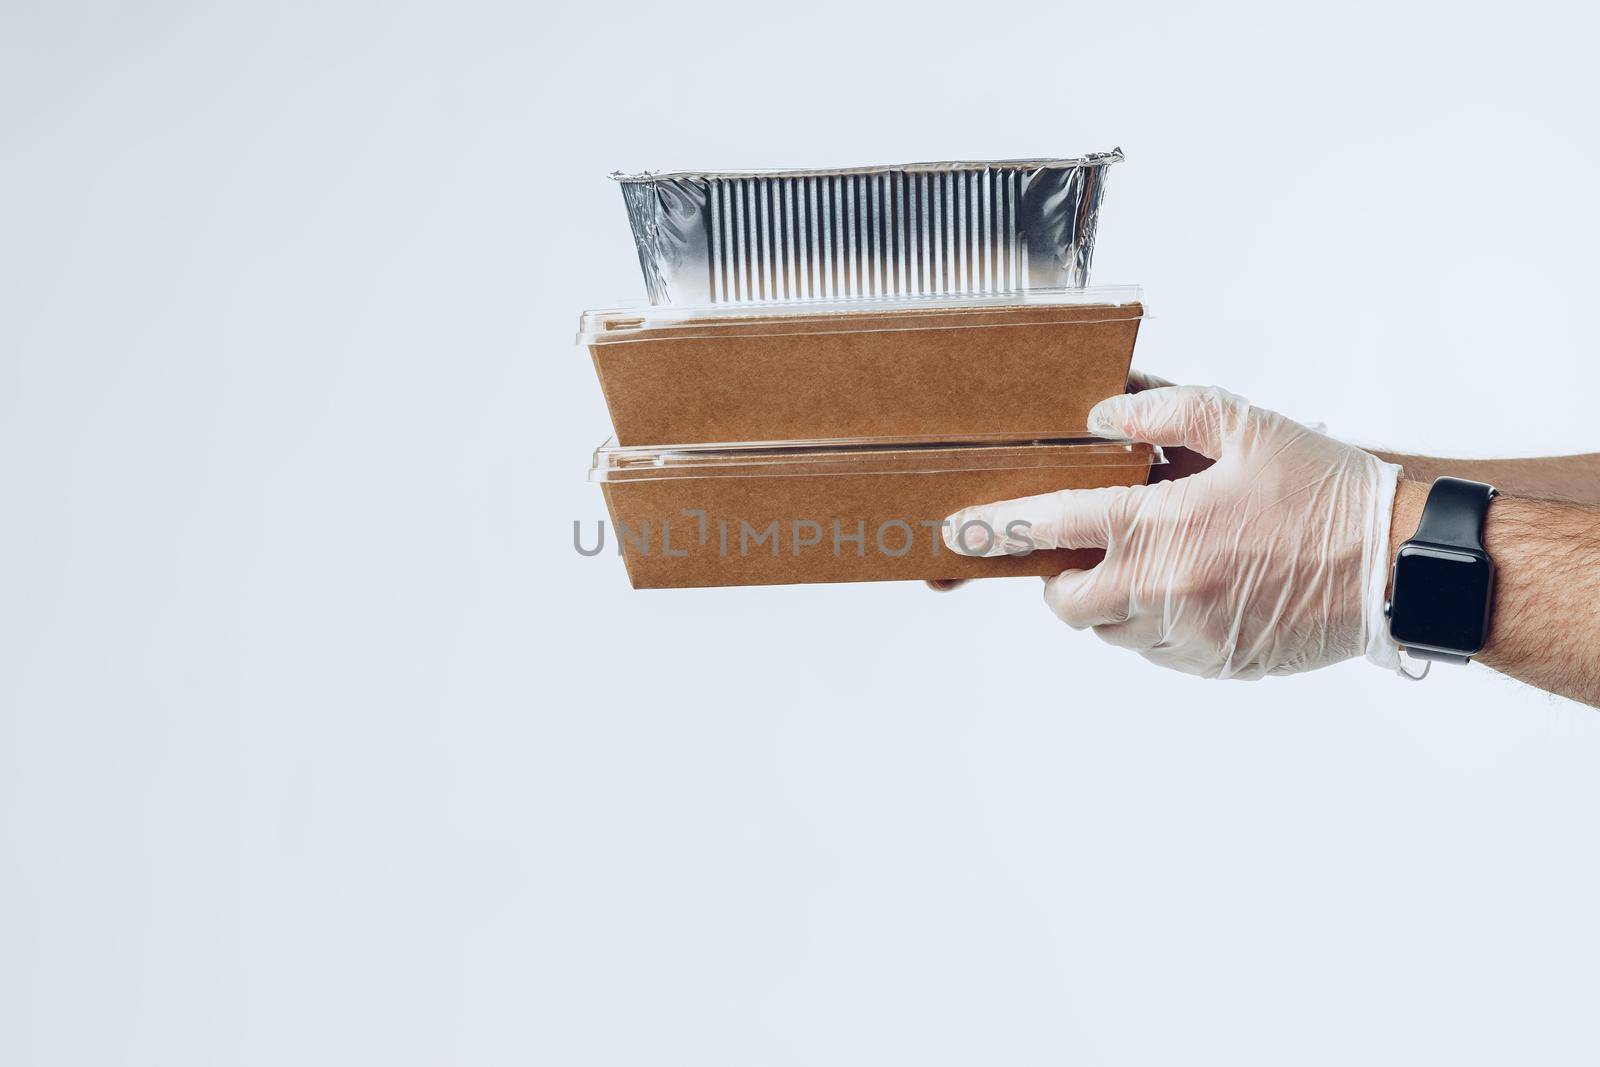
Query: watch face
{"x": 1440, "y": 599}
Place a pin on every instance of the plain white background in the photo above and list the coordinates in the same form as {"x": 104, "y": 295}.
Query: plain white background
{"x": 321, "y": 744}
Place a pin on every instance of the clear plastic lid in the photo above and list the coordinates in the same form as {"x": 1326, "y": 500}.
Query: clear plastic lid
{"x": 616, "y": 463}
{"x": 633, "y": 322}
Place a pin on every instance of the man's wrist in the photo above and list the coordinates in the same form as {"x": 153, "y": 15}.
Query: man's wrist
{"x": 1409, "y": 497}
{"x": 1546, "y": 586}
{"x": 1404, "y": 511}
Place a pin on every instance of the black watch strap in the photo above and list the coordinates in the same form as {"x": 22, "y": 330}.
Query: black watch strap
{"x": 1454, "y": 513}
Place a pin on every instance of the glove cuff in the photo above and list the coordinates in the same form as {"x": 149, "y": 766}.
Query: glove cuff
{"x": 1380, "y": 647}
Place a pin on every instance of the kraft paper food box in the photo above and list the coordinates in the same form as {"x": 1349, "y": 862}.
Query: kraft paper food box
{"x": 836, "y": 512}
{"x": 1023, "y": 367}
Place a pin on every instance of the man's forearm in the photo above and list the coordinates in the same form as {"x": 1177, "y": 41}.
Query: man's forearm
{"x": 1545, "y": 629}
{"x": 1548, "y": 477}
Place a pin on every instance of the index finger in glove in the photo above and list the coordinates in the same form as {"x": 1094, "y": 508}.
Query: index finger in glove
{"x": 1071, "y": 518}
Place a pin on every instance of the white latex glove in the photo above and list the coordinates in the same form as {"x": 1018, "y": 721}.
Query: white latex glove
{"x": 1271, "y": 561}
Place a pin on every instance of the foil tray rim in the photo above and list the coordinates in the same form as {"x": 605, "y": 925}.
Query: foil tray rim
{"x": 1092, "y": 159}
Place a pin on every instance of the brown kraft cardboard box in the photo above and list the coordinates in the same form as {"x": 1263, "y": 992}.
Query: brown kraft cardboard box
{"x": 774, "y": 517}
{"x": 938, "y": 374}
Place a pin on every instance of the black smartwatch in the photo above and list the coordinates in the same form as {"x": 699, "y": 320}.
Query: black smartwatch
{"x": 1442, "y": 591}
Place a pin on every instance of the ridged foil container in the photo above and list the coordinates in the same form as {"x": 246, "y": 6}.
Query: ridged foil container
{"x": 921, "y": 229}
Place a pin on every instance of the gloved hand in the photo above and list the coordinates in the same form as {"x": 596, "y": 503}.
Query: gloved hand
{"x": 1271, "y": 561}
{"x": 1181, "y": 462}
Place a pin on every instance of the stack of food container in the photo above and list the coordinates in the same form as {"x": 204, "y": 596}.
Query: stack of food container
{"x": 832, "y": 362}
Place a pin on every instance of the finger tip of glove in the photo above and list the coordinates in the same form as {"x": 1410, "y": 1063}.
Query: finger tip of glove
{"x": 958, "y": 525}
{"x": 1105, "y": 418}
{"x": 947, "y": 532}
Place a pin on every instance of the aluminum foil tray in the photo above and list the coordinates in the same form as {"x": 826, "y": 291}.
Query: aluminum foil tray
{"x": 921, "y": 229}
